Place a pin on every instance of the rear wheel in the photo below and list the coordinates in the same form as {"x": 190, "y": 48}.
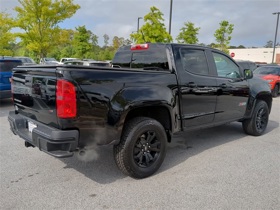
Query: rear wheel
{"x": 275, "y": 91}
{"x": 142, "y": 148}
{"x": 257, "y": 124}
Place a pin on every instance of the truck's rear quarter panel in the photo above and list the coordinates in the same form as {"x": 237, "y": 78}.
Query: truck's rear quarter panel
{"x": 107, "y": 95}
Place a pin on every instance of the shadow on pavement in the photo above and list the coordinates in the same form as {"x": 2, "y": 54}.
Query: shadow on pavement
{"x": 4, "y": 103}
{"x": 103, "y": 170}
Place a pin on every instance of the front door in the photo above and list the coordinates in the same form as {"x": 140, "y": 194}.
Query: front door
{"x": 232, "y": 89}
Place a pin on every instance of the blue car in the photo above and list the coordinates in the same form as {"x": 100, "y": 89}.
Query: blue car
{"x": 6, "y": 67}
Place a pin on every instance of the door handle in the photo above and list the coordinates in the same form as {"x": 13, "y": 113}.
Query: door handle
{"x": 223, "y": 85}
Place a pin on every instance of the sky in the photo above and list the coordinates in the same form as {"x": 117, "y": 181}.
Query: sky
{"x": 254, "y": 23}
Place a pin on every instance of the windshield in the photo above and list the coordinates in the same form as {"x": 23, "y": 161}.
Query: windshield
{"x": 267, "y": 70}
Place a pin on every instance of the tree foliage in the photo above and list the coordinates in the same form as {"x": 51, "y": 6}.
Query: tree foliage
{"x": 6, "y": 37}
{"x": 120, "y": 41}
{"x": 188, "y": 34}
{"x": 153, "y": 30}
{"x": 222, "y": 35}
{"x": 106, "y": 40}
{"x": 83, "y": 42}
{"x": 39, "y": 20}
{"x": 41, "y": 36}
{"x": 269, "y": 44}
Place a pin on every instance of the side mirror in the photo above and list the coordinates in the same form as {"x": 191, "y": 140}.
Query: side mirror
{"x": 248, "y": 74}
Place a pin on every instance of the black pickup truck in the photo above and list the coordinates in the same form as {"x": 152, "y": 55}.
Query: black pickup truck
{"x": 151, "y": 92}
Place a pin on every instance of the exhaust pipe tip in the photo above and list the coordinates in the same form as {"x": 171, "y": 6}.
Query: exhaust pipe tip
{"x": 82, "y": 152}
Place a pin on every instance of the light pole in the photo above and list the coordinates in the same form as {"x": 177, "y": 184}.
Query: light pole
{"x": 170, "y": 16}
{"x": 138, "y": 23}
{"x": 275, "y": 34}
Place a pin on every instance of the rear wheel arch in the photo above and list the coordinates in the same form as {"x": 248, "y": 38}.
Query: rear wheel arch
{"x": 159, "y": 113}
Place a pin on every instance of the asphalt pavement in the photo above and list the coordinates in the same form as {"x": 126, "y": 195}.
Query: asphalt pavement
{"x": 216, "y": 168}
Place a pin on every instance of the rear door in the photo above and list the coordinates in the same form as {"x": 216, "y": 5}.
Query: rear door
{"x": 232, "y": 89}
{"x": 197, "y": 86}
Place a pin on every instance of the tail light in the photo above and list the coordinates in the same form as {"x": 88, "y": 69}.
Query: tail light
{"x": 66, "y": 99}
{"x": 139, "y": 47}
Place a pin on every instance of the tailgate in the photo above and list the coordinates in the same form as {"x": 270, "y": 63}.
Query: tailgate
{"x": 34, "y": 94}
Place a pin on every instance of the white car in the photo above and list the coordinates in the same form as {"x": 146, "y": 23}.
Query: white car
{"x": 48, "y": 61}
{"x": 62, "y": 60}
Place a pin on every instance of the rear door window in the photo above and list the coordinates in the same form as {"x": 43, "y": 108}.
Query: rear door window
{"x": 194, "y": 61}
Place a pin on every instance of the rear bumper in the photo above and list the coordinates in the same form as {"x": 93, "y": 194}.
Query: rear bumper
{"x": 55, "y": 142}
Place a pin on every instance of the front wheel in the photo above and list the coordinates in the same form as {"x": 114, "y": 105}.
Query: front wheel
{"x": 257, "y": 124}
{"x": 142, "y": 148}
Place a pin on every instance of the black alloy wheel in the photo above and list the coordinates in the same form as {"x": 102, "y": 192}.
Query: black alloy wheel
{"x": 147, "y": 149}
{"x": 261, "y": 119}
{"x": 142, "y": 147}
{"x": 257, "y": 124}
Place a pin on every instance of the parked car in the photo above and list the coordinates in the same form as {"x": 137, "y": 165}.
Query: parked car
{"x": 270, "y": 73}
{"x": 88, "y": 63}
{"x": 74, "y": 62}
{"x": 26, "y": 60}
{"x": 247, "y": 64}
{"x": 99, "y": 63}
{"x": 63, "y": 60}
{"x": 48, "y": 61}
{"x": 6, "y": 67}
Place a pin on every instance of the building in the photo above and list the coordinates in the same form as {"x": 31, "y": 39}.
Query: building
{"x": 261, "y": 55}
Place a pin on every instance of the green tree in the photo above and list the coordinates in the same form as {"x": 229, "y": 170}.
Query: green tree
{"x": 188, "y": 34}
{"x": 153, "y": 30}
{"x": 222, "y": 35}
{"x": 269, "y": 44}
{"x": 106, "y": 40}
{"x": 213, "y": 45}
{"x": 106, "y": 53}
{"x": 82, "y": 42}
{"x": 65, "y": 47}
{"x": 120, "y": 41}
{"x": 6, "y": 37}
{"x": 39, "y": 20}
{"x": 241, "y": 47}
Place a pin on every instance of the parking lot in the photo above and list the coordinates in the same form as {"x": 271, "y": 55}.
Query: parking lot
{"x": 216, "y": 168}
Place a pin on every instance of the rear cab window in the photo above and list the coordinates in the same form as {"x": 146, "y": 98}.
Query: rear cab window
{"x": 150, "y": 57}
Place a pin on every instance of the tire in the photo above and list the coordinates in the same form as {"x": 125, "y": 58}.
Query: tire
{"x": 275, "y": 91}
{"x": 257, "y": 124}
{"x": 142, "y": 147}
